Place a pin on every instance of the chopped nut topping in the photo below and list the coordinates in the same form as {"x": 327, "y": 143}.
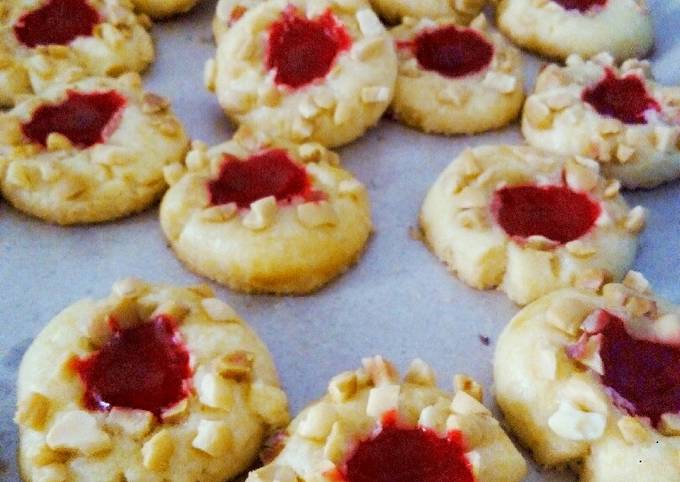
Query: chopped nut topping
{"x": 214, "y": 391}
{"x": 380, "y": 370}
{"x": 135, "y": 423}
{"x": 466, "y": 384}
{"x": 580, "y": 249}
{"x": 218, "y": 310}
{"x": 632, "y": 430}
{"x": 51, "y": 473}
{"x": 219, "y": 214}
{"x": 434, "y": 416}
{"x": 342, "y": 387}
{"x": 316, "y": 214}
{"x": 572, "y": 423}
{"x": 613, "y": 188}
{"x": 33, "y": 410}
{"x": 369, "y": 23}
{"x": 465, "y": 404}
{"x": 382, "y": 399}
{"x": 176, "y": 412}
{"x": 624, "y": 153}
{"x": 368, "y": 48}
{"x": 579, "y": 177}
{"x": 318, "y": 421}
{"x": 262, "y": 214}
{"x": 537, "y": 113}
{"x": 58, "y": 142}
{"x": 213, "y": 437}
{"x": 270, "y": 403}
{"x": 420, "y": 373}
{"x": 78, "y": 430}
{"x": 375, "y": 95}
{"x": 636, "y": 220}
{"x": 503, "y": 83}
{"x": 638, "y": 306}
{"x": 567, "y": 314}
{"x": 636, "y": 281}
{"x": 670, "y": 424}
{"x": 336, "y": 443}
{"x": 157, "y": 451}
{"x": 152, "y": 103}
{"x": 237, "y": 365}
{"x": 475, "y": 459}
{"x": 129, "y": 288}
{"x": 592, "y": 279}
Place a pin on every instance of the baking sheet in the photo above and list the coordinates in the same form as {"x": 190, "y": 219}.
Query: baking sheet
{"x": 399, "y": 301}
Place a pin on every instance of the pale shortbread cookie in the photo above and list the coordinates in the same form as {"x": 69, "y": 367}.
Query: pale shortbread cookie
{"x": 642, "y": 153}
{"x": 486, "y": 98}
{"x": 117, "y": 171}
{"x": 117, "y": 42}
{"x": 462, "y": 11}
{"x": 529, "y": 222}
{"x": 361, "y": 405}
{"x": 549, "y": 373}
{"x": 228, "y": 402}
{"x": 161, "y": 9}
{"x": 273, "y": 241}
{"x": 621, "y": 27}
{"x": 333, "y": 70}
{"x": 228, "y": 12}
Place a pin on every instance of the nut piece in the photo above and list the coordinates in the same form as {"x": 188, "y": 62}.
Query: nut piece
{"x": 213, "y": 438}
{"x": 670, "y": 424}
{"x": 273, "y": 473}
{"x": 369, "y": 23}
{"x": 503, "y": 83}
{"x": 157, "y": 451}
{"x": 175, "y": 412}
{"x": 214, "y": 391}
{"x": 78, "y": 430}
{"x": 375, "y": 95}
{"x": 32, "y": 411}
{"x": 380, "y": 370}
{"x": 262, "y": 214}
{"x": 129, "y": 288}
{"x": 318, "y": 421}
{"x": 315, "y": 214}
{"x": 420, "y": 373}
{"x": 382, "y": 399}
{"x": 465, "y": 404}
{"x": 135, "y": 423}
{"x": 270, "y": 403}
{"x": 51, "y": 473}
{"x": 571, "y": 423}
{"x": 237, "y": 365}
{"x": 635, "y": 222}
{"x": 466, "y": 384}
{"x": 537, "y": 113}
{"x": 336, "y": 444}
{"x": 434, "y": 416}
{"x": 567, "y": 314}
{"x": 637, "y": 282}
{"x": 218, "y": 310}
{"x": 632, "y": 430}
{"x": 342, "y": 387}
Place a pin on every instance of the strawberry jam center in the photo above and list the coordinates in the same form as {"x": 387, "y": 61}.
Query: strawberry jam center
{"x": 57, "y": 22}
{"x": 268, "y": 173}
{"x": 451, "y": 51}
{"x": 84, "y": 118}
{"x": 582, "y": 6}
{"x": 397, "y": 454}
{"x": 624, "y": 98}
{"x": 301, "y": 50}
{"x": 555, "y": 212}
{"x": 145, "y": 367}
{"x": 644, "y": 375}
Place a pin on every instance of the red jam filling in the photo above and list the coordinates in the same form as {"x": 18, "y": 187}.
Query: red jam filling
{"x": 624, "y": 98}
{"x": 643, "y": 376}
{"x": 144, "y": 368}
{"x": 57, "y": 22}
{"x": 398, "y": 454}
{"x": 582, "y": 6}
{"x": 84, "y": 118}
{"x": 268, "y": 173}
{"x": 451, "y": 51}
{"x": 301, "y": 50}
{"x": 555, "y": 212}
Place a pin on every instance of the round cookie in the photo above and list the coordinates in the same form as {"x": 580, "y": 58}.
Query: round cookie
{"x": 372, "y": 427}
{"x": 162, "y": 9}
{"x": 43, "y": 42}
{"x": 618, "y": 116}
{"x": 462, "y": 11}
{"x": 152, "y": 383}
{"x": 265, "y": 217}
{"x": 309, "y": 71}
{"x": 228, "y": 12}
{"x": 529, "y": 222}
{"x": 589, "y": 380}
{"x": 456, "y": 80}
{"x": 558, "y": 28}
{"x": 88, "y": 152}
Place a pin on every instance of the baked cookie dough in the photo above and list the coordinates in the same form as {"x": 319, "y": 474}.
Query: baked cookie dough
{"x": 161, "y": 9}
{"x": 88, "y": 152}
{"x": 461, "y": 11}
{"x": 373, "y": 427}
{"x": 558, "y": 28}
{"x": 618, "y": 116}
{"x": 152, "y": 383}
{"x": 228, "y": 12}
{"x": 456, "y": 80}
{"x": 265, "y": 216}
{"x": 589, "y": 380}
{"x": 529, "y": 222}
{"x": 308, "y": 71}
{"x": 43, "y": 42}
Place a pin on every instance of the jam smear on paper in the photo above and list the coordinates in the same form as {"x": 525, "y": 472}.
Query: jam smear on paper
{"x": 85, "y": 118}
{"x": 56, "y": 22}
{"x": 145, "y": 367}
{"x": 301, "y": 50}
{"x": 625, "y": 98}
{"x": 402, "y": 454}
{"x": 643, "y": 376}
{"x": 268, "y": 173}
{"x": 451, "y": 51}
{"x": 555, "y": 212}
